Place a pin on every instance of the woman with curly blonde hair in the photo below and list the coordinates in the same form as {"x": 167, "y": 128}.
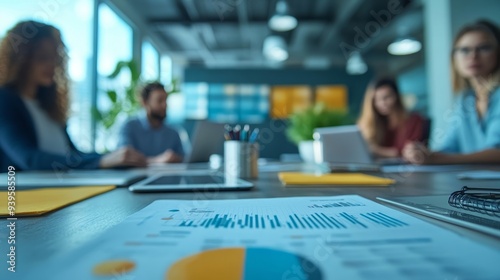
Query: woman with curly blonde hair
{"x": 34, "y": 104}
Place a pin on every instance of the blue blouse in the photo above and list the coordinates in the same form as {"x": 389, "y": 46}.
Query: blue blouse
{"x": 467, "y": 132}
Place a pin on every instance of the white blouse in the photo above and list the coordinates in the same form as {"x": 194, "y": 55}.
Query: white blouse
{"x": 50, "y": 135}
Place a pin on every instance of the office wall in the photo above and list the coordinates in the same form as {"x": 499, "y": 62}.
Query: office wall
{"x": 466, "y": 11}
{"x": 414, "y": 82}
{"x": 274, "y": 142}
{"x": 356, "y": 84}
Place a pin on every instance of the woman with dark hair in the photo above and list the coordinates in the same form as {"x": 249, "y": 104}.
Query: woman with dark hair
{"x": 385, "y": 123}
{"x": 34, "y": 104}
{"x": 474, "y": 132}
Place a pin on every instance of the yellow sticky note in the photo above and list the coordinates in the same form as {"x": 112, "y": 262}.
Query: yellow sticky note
{"x": 40, "y": 201}
{"x": 338, "y": 179}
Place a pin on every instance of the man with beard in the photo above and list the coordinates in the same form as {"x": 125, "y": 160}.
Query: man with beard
{"x": 148, "y": 133}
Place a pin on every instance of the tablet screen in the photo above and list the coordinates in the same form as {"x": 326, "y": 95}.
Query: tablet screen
{"x": 189, "y": 182}
{"x": 186, "y": 180}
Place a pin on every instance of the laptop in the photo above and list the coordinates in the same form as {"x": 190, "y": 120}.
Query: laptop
{"x": 207, "y": 139}
{"x": 344, "y": 148}
{"x": 437, "y": 207}
{"x": 71, "y": 178}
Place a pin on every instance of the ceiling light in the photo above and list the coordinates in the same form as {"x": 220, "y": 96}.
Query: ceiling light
{"x": 282, "y": 21}
{"x": 275, "y": 48}
{"x": 356, "y": 65}
{"x": 404, "y": 46}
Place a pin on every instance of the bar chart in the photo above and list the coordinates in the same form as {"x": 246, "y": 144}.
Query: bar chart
{"x": 313, "y": 220}
{"x": 336, "y": 204}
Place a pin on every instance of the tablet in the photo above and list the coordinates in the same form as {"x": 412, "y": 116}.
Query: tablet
{"x": 189, "y": 182}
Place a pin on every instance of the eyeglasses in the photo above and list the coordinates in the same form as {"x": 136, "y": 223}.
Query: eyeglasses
{"x": 480, "y": 50}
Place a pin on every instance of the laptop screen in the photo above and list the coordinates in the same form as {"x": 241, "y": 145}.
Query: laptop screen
{"x": 207, "y": 139}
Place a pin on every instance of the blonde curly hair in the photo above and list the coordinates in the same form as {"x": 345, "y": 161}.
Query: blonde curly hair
{"x": 16, "y": 57}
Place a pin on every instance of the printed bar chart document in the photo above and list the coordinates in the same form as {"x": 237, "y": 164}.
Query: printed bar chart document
{"x": 340, "y": 237}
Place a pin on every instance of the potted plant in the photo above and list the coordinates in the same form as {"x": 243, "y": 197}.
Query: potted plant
{"x": 302, "y": 124}
{"x": 122, "y": 101}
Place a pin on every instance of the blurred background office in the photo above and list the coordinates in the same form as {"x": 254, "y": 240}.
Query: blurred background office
{"x": 249, "y": 61}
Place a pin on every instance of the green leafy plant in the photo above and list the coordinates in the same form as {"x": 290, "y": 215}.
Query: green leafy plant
{"x": 122, "y": 102}
{"x": 302, "y": 123}
{"x": 174, "y": 87}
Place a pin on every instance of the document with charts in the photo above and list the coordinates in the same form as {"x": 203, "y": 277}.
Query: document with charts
{"x": 339, "y": 237}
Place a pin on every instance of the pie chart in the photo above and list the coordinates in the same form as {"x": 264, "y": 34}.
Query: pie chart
{"x": 243, "y": 263}
{"x": 113, "y": 267}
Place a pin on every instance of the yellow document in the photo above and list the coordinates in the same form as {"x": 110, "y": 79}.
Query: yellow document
{"x": 338, "y": 179}
{"x": 40, "y": 201}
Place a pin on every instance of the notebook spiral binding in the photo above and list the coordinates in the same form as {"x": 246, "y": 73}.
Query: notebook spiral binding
{"x": 482, "y": 200}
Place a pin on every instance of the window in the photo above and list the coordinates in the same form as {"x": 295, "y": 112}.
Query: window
{"x": 150, "y": 62}
{"x": 74, "y": 20}
{"x": 166, "y": 70}
{"x": 114, "y": 45}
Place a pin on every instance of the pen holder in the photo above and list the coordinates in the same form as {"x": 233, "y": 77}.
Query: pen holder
{"x": 240, "y": 159}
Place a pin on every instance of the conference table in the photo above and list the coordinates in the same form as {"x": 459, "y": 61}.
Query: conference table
{"x": 41, "y": 239}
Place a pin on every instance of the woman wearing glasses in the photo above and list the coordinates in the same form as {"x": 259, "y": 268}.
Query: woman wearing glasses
{"x": 473, "y": 134}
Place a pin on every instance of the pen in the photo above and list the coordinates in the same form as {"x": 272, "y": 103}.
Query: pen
{"x": 244, "y": 133}
{"x": 236, "y": 131}
{"x": 253, "y": 136}
{"x": 228, "y": 133}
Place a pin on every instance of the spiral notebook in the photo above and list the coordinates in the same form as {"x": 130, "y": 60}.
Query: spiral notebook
{"x": 482, "y": 200}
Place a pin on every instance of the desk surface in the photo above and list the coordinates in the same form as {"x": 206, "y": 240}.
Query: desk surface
{"x": 42, "y": 238}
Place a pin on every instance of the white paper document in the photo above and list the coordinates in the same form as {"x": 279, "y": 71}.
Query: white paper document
{"x": 412, "y": 168}
{"x": 340, "y": 237}
{"x": 480, "y": 175}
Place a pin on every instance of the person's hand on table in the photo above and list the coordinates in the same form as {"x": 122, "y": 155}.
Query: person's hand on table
{"x": 123, "y": 157}
{"x": 417, "y": 153}
{"x": 385, "y": 152}
{"x": 168, "y": 156}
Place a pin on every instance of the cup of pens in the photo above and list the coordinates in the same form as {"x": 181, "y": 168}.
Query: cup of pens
{"x": 241, "y": 152}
